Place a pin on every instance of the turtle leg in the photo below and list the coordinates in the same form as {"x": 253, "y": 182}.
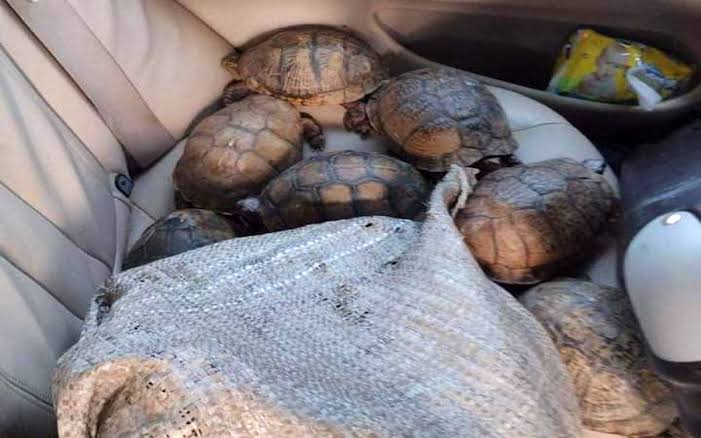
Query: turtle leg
{"x": 356, "y": 119}
{"x": 313, "y": 132}
{"x": 235, "y": 91}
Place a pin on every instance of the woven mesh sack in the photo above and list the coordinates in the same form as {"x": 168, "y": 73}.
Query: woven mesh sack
{"x": 365, "y": 327}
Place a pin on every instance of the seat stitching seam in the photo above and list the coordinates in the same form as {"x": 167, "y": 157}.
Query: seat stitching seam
{"x": 124, "y": 74}
{"x": 46, "y": 289}
{"x": 538, "y": 126}
{"x": 25, "y": 388}
{"x": 56, "y": 227}
{"x": 138, "y": 207}
{"x": 20, "y": 389}
{"x": 207, "y": 25}
{"x": 54, "y": 111}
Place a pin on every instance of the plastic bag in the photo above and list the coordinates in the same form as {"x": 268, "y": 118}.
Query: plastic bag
{"x": 604, "y": 69}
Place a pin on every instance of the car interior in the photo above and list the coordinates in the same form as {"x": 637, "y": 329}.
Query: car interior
{"x": 97, "y": 98}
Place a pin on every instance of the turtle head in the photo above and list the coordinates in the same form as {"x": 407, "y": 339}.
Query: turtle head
{"x": 231, "y": 64}
{"x": 246, "y": 217}
{"x": 356, "y": 118}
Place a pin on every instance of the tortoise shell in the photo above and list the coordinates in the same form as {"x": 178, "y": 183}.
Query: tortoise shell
{"x": 599, "y": 340}
{"x": 180, "y": 231}
{"x": 438, "y": 116}
{"x": 237, "y": 150}
{"x": 342, "y": 185}
{"x": 523, "y": 223}
{"x": 312, "y": 65}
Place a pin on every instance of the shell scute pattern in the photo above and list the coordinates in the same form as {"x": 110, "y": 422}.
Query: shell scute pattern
{"x": 436, "y": 117}
{"x": 599, "y": 340}
{"x": 312, "y": 65}
{"x": 180, "y": 231}
{"x": 236, "y": 151}
{"x": 342, "y": 185}
{"x": 525, "y": 222}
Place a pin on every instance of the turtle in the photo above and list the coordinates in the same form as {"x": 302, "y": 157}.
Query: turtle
{"x": 306, "y": 65}
{"x": 342, "y": 185}
{"x": 435, "y": 117}
{"x": 245, "y": 220}
{"x": 234, "y": 152}
{"x": 524, "y": 223}
{"x": 180, "y": 231}
{"x": 600, "y": 343}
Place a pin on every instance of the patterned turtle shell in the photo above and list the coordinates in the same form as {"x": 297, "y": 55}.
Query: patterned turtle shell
{"x": 180, "y": 231}
{"x": 237, "y": 150}
{"x": 599, "y": 340}
{"x": 342, "y": 185}
{"x": 524, "y": 223}
{"x": 439, "y": 116}
{"x": 309, "y": 65}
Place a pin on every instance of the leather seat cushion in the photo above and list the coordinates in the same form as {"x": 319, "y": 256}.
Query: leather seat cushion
{"x": 168, "y": 54}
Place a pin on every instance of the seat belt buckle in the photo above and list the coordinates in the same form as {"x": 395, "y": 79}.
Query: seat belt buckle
{"x": 124, "y": 184}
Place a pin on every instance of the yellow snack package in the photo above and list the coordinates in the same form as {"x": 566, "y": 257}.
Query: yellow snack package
{"x": 604, "y": 69}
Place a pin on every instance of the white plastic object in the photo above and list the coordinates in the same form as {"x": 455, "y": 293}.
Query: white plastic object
{"x": 648, "y": 97}
{"x": 663, "y": 278}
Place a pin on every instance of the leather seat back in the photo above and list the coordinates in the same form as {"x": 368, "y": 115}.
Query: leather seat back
{"x": 64, "y": 225}
{"x": 58, "y": 241}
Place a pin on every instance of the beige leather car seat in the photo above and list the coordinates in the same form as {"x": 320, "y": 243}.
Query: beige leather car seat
{"x": 66, "y": 226}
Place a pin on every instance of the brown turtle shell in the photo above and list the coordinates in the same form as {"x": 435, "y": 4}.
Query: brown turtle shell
{"x": 524, "y": 223}
{"x": 237, "y": 150}
{"x": 312, "y": 65}
{"x": 599, "y": 340}
{"x": 439, "y": 116}
{"x": 342, "y": 185}
{"x": 180, "y": 231}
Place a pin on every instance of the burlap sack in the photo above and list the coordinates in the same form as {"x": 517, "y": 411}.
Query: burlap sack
{"x": 365, "y": 327}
